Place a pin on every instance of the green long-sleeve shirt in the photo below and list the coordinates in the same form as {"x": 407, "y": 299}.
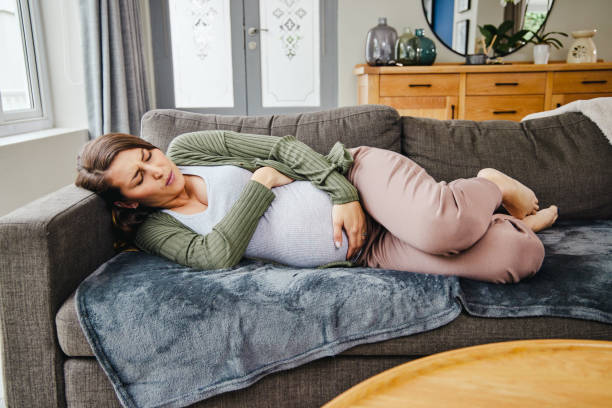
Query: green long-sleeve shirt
{"x": 161, "y": 234}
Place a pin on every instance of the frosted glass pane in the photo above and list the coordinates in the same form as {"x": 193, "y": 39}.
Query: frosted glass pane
{"x": 290, "y": 72}
{"x": 201, "y": 53}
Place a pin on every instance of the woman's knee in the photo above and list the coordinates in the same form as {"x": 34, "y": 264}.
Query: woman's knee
{"x": 521, "y": 252}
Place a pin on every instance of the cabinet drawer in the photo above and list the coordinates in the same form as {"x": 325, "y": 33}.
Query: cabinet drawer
{"x": 558, "y": 100}
{"x": 435, "y": 107}
{"x": 419, "y": 85}
{"x": 502, "y": 107}
{"x": 506, "y": 83}
{"x": 582, "y": 81}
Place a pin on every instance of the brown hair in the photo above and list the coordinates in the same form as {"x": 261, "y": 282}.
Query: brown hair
{"x": 93, "y": 160}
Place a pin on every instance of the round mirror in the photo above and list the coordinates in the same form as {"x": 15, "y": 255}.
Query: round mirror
{"x": 462, "y": 25}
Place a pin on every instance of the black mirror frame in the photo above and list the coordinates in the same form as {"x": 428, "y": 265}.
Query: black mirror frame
{"x": 464, "y": 55}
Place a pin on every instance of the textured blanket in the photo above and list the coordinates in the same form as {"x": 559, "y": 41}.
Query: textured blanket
{"x": 168, "y": 336}
{"x": 599, "y": 110}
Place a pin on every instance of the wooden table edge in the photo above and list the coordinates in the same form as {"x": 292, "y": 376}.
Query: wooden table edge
{"x": 366, "y": 387}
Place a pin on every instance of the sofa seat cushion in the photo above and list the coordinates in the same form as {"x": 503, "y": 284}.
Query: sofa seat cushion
{"x": 464, "y": 331}
{"x": 564, "y": 159}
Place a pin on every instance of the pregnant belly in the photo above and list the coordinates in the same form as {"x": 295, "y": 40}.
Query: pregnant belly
{"x": 297, "y": 228}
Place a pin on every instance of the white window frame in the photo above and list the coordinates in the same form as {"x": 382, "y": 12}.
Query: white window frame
{"x": 40, "y": 116}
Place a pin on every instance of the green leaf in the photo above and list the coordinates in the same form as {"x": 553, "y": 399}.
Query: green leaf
{"x": 490, "y": 28}
{"x": 505, "y": 26}
{"x": 556, "y": 43}
{"x": 517, "y": 37}
{"x": 555, "y": 32}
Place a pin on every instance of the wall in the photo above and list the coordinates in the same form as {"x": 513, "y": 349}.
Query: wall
{"x": 34, "y": 168}
{"x": 356, "y": 17}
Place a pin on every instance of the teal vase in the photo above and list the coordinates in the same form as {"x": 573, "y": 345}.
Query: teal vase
{"x": 402, "y": 48}
{"x": 421, "y": 49}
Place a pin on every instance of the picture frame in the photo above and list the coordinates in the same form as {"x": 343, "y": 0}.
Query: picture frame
{"x": 463, "y": 5}
{"x": 462, "y": 29}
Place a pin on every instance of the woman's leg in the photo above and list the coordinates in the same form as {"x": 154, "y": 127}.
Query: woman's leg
{"x": 434, "y": 217}
{"x": 508, "y": 252}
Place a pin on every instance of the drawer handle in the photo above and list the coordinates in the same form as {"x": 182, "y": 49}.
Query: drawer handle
{"x": 595, "y": 82}
{"x": 506, "y": 83}
{"x": 504, "y": 112}
{"x": 420, "y": 85}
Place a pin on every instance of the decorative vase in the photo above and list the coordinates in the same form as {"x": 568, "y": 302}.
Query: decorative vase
{"x": 403, "y": 49}
{"x": 424, "y": 49}
{"x": 583, "y": 48}
{"x": 380, "y": 44}
{"x": 541, "y": 52}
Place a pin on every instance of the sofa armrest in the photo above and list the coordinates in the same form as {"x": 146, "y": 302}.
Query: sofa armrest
{"x": 47, "y": 248}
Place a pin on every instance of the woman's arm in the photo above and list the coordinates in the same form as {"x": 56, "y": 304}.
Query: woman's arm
{"x": 286, "y": 154}
{"x": 161, "y": 234}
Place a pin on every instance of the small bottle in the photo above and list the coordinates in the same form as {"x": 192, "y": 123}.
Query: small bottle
{"x": 402, "y": 49}
{"x": 380, "y": 44}
{"x": 425, "y": 49}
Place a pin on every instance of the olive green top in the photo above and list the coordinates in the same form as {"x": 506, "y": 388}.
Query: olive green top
{"x": 161, "y": 234}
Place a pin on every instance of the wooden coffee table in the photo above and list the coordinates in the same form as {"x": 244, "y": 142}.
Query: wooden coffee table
{"x": 526, "y": 373}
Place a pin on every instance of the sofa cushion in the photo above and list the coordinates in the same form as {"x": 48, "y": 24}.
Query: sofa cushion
{"x": 371, "y": 125}
{"x": 464, "y": 331}
{"x": 564, "y": 159}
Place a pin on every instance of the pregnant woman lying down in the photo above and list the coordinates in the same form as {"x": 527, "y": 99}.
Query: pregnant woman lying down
{"x": 218, "y": 196}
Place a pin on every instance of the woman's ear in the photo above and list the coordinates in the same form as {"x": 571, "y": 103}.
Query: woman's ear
{"x": 126, "y": 204}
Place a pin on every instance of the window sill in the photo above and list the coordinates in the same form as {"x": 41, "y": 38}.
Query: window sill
{"x": 41, "y": 134}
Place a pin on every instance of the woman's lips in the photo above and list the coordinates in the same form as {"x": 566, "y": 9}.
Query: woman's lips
{"x": 170, "y": 179}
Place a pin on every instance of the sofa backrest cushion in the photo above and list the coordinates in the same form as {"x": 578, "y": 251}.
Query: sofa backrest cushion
{"x": 371, "y": 125}
{"x": 564, "y": 159}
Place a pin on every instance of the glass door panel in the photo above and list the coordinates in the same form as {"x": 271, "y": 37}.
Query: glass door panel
{"x": 291, "y": 55}
{"x": 290, "y": 67}
{"x": 200, "y": 32}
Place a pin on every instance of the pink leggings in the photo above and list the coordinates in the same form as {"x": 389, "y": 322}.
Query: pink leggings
{"x": 419, "y": 225}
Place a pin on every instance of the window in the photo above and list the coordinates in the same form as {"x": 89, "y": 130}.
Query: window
{"x": 24, "y": 95}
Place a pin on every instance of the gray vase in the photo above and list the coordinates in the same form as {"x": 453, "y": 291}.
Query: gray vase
{"x": 380, "y": 44}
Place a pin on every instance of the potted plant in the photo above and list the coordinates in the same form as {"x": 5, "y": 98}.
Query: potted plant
{"x": 542, "y": 43}
{"x": 501, "y": 39}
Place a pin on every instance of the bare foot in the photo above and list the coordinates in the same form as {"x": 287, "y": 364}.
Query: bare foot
{"x": 542, "y": 219}
{"x": 517, "y": 198}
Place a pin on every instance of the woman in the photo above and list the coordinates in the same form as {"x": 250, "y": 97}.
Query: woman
{"x": 209, "y": 202}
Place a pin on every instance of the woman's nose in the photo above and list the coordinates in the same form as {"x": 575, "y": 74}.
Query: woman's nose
{"x": 156, "y": 171}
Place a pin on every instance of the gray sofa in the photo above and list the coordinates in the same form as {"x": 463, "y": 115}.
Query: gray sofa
{"x": 50, "y": 245}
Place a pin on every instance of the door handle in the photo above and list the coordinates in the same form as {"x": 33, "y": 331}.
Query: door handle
{"x": 502, "y": 112}
{"x": 253, "y": 30}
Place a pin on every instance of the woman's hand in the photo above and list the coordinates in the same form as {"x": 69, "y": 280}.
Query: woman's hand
{"x": 352, "y": 218}
{"x": 270, "y": 177}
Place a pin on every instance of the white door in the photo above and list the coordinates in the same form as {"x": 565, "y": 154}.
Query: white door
{"x": 245, "y": 57}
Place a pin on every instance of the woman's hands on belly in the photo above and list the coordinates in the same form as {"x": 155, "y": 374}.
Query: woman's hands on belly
{"x": 270, "y": 177}
{"x": 352, "y": 218}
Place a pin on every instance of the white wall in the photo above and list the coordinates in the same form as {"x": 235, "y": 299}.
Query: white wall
{"x": 34, "y": 168}
{"x": 356, "y": 17}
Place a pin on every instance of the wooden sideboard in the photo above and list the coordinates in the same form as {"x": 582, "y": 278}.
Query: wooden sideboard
{"x": 481, "y": 92}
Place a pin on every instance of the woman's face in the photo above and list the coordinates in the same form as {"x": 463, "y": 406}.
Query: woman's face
{"x": 145, "y": 177}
